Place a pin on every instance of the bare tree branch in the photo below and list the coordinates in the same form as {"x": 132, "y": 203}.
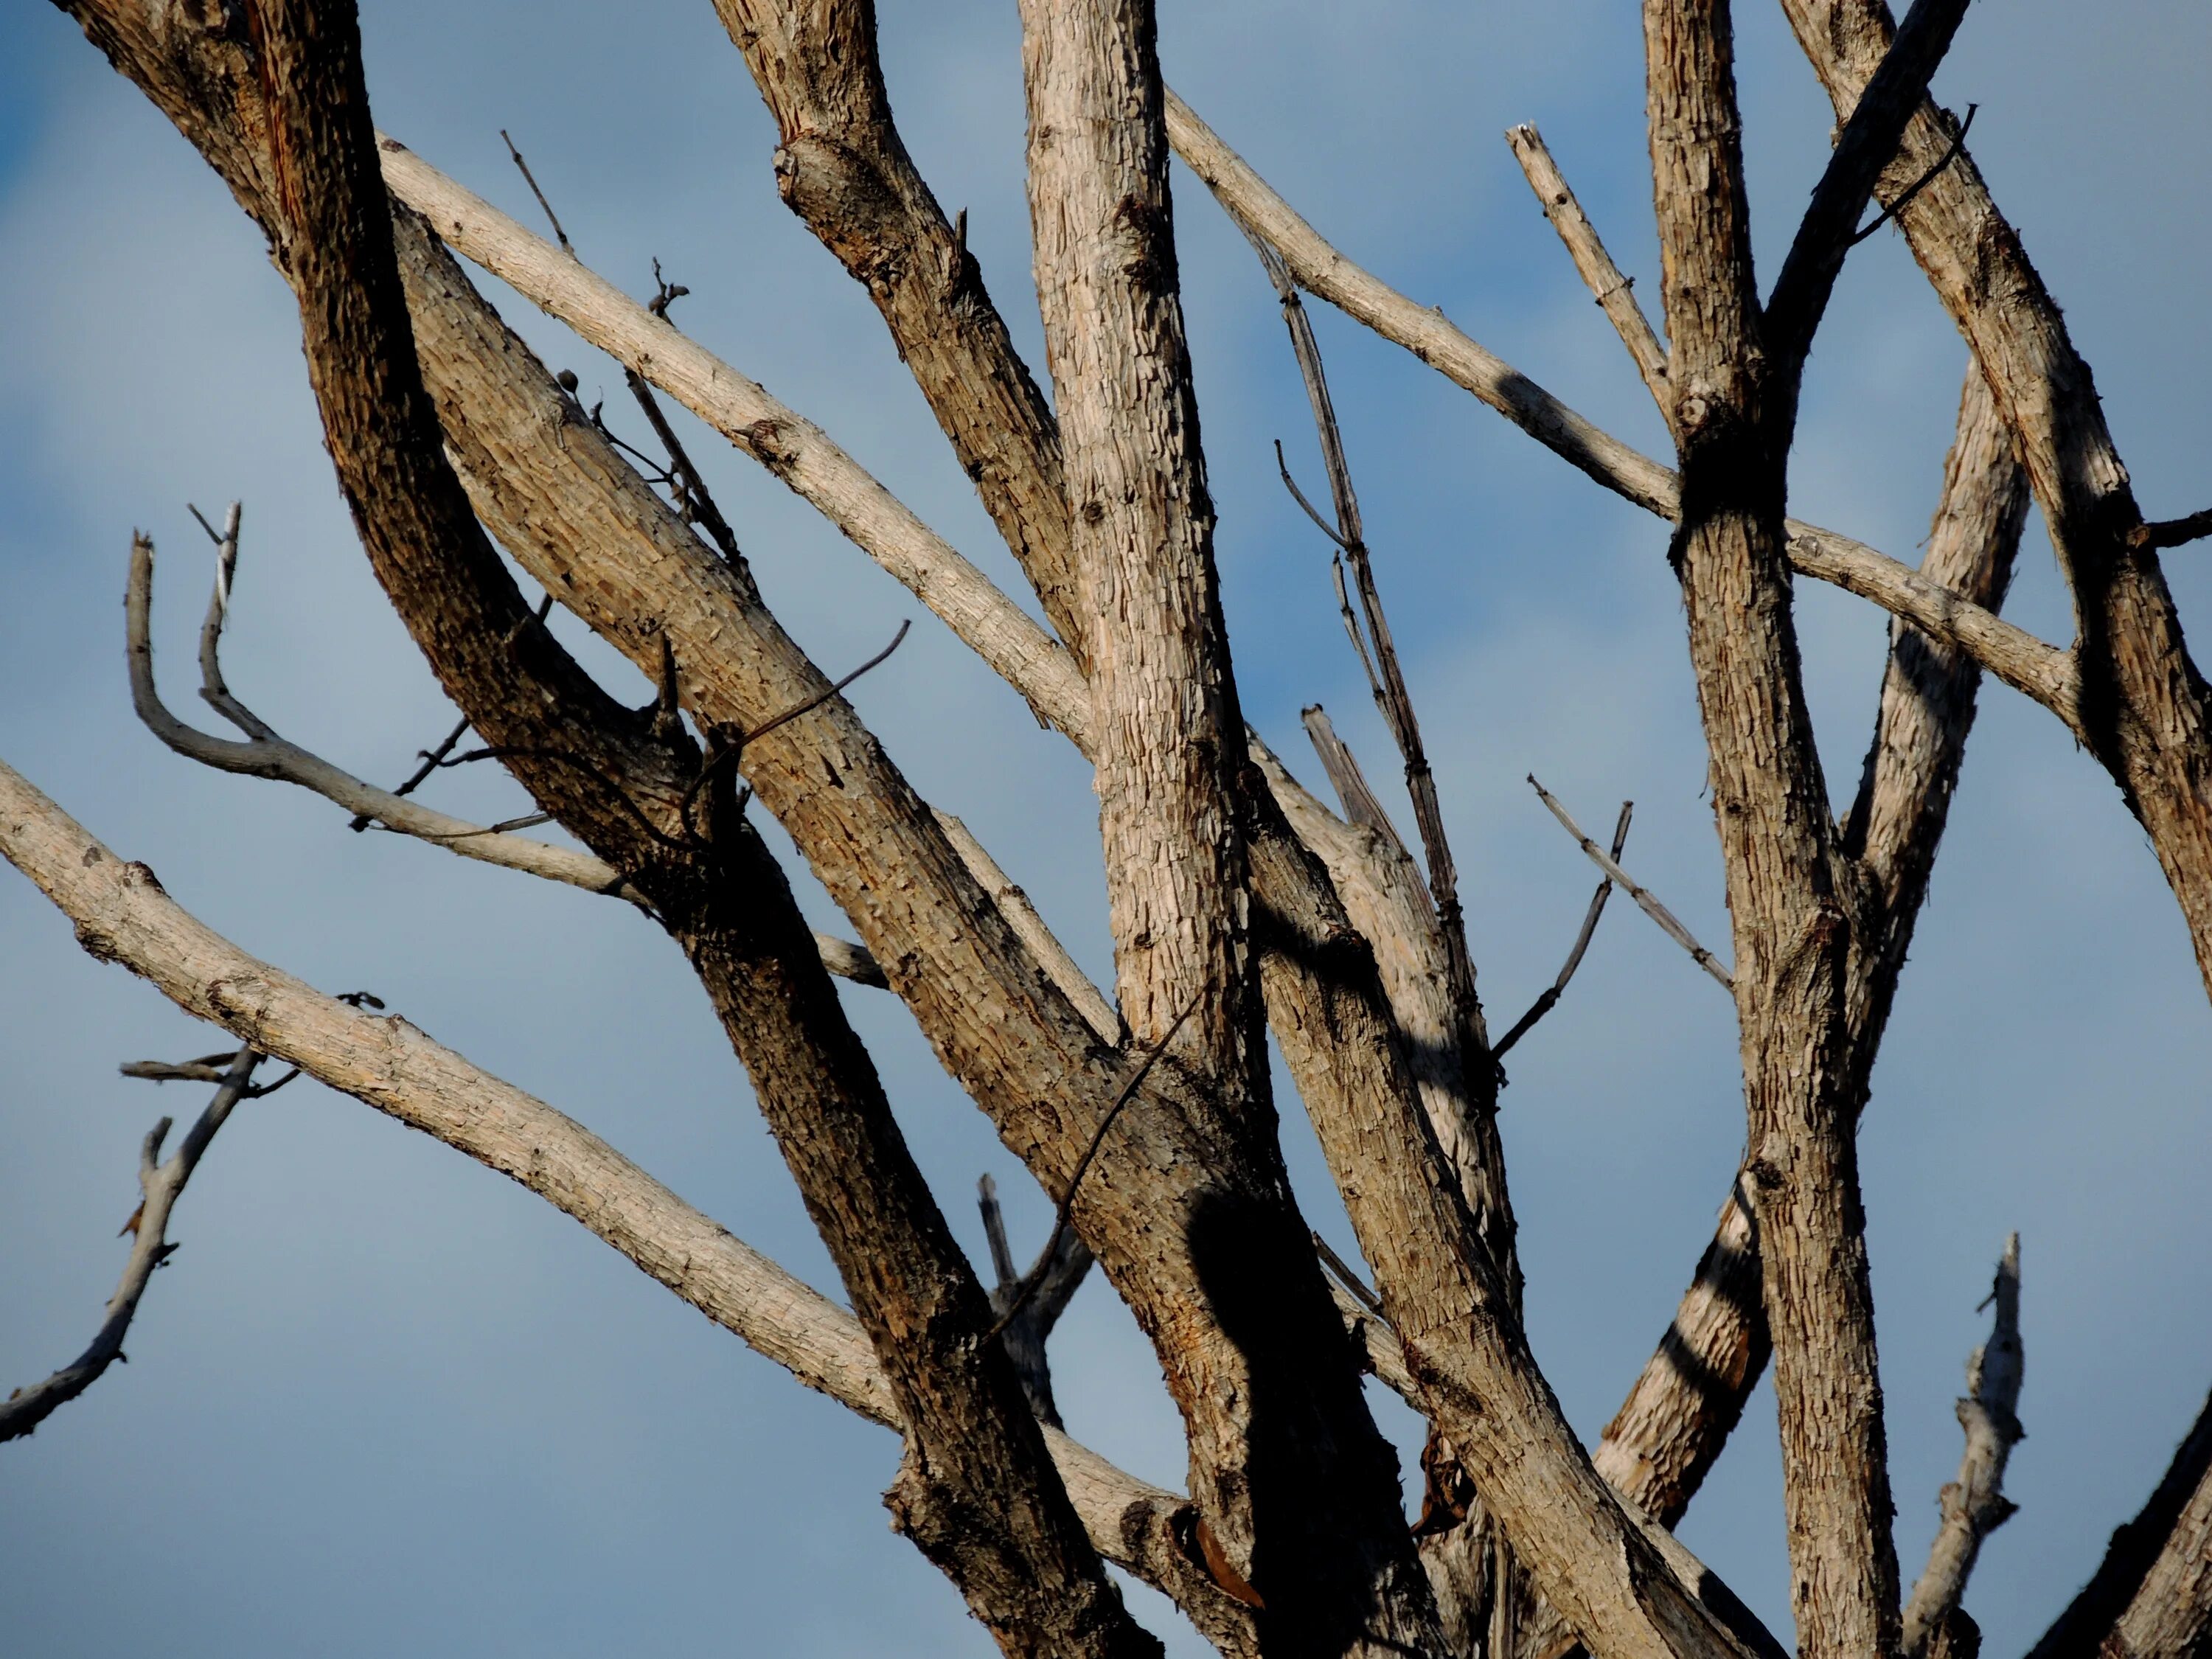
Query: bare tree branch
{"x": 161, "y": 1182}
{"x": 2028, "y": 665}
{"x": 1615, "y": 293}
{"x": 1026, "y": 1306}
{"x": 2174, "y": 533}
{"x": 976, "y": 1492}
{"x": 842, "y": 167}
{"x": 1550, "y": 998}
{"x": 1974, "y": 1505}
{"x": 1370, "y": 630}
{"x": 1830, "y": 228}
{"x": 267, "y": 755}
{"x": 797, "y": 451}
{"x": 2143, "y": 708}
{"x": 1732, "y": 416}
{"x": 1675, "y": 1421}
{"x": 123, "y": 914}
{"x": 1644, "y": 901}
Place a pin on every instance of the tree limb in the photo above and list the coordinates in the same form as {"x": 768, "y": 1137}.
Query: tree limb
{"x": 1615, "y": 293}
{"x": 842, "y": 167}
{"x": 123, "y": 914}
{"x": 797, "y": 451}
{"x": 1732, "y": 416}
{"x": 977, "y": 1491}
{"x": 2151, "y": 1596}
{"x": 161, "y": 1182}
{"x": 2143, "y": 708}
{"x": 1974, "y": 1505}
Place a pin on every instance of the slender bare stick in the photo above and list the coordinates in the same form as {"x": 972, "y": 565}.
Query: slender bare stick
{"x": 1558, "y": 988}
{"x": 1615, "y": 293}
{"x": 1377, "y": 651}
{"x": 2174, "y": 533}
{"x": 1650, "y": 906}
{"x": 161, "y": 1183}
{"x": 1974, "y": 1505}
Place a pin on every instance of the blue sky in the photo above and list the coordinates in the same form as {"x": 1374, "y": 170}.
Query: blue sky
{"x": 383, "y": 1400}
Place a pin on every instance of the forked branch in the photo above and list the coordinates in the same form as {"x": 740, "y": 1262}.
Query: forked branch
{"x": 1368, "y": 630}
{"x": 1669, "y": 923}
{"x": 265, "y": 754}
{"x": 161, "y": 1182}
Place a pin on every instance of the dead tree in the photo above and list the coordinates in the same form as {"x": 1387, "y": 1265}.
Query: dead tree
{"x": 1241, "y": 904}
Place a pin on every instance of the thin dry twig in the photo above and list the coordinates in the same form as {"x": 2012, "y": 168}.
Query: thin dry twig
{"x": 551, "y": 218}
{"x": 1059, "y": 1273}
{"x": 1651, "y": 906}
{"x": 1034, "y": 1277}
{"x": 1558, "y": 989}
{"x": 161, "y": 1183}
{"x": 271, "y": 756}
{"x": 1951, "y": 155}
{"x": 1347, "y": 1276}
{"x": 725, "y": 755}
{"x": 1368, "y": 630}
{"x": 694, "y": 504}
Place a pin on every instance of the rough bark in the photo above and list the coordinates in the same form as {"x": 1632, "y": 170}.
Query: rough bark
{"x": 977, "y": 1491}
{"x": 1789, "y": 890}
{"x": 663, "y": 584}
{"x": 1664, "y": 1439}
{"x": 1169, "y": 737}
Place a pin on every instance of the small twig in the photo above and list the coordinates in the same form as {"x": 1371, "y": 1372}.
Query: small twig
{"x": 1067, "y": 1205}
{"x": 559, "y": 235}
{"x": 1370, "y": 631}
{"x": 692, "y": 501}
{"x": 270, "y": 755}
{"x": 432, "y": 760}
{"x": 2172, "y": 532}
{"x": 995, "y": 1229}
{"x": 1650, "y": 906}
{"x": 1558, "y": 989}
{"x": 1353, "y": 794}
{"x": 161, "y": 1183}
{"x": 1950, "y": 155}
{"x": 724, "y": 755}
{"x": 1031, "y": 1313}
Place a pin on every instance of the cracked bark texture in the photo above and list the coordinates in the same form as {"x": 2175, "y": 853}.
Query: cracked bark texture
{"x": 1672, "y": 1426}
{"x": 1788, "y": 890}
